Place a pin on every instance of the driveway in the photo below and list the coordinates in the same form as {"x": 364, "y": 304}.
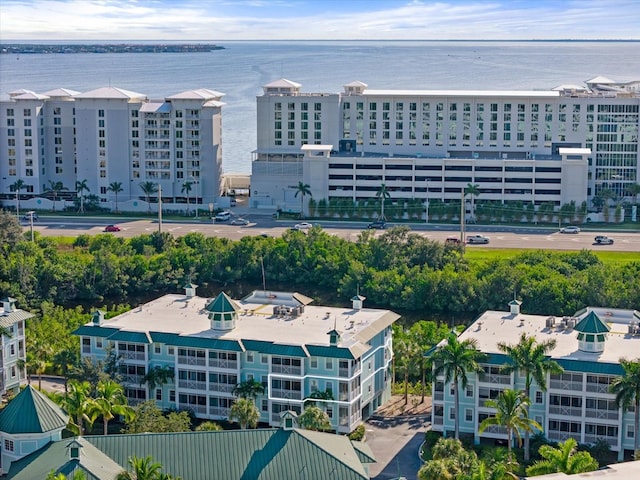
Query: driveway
{"x": 395, "y": 442}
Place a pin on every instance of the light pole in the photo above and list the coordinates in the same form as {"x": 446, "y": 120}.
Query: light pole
{"x": 197, "y": 182}
{"x": 31, "y": 222}
{"x": 18, "y": 203}
{"x": 159, "y": 208}
{"x": 211, "y": 211}
{"x": 427, "y": 206}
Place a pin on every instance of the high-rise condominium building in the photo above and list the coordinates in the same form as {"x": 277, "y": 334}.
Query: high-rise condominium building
{"x": 111, "y": 136}
{"x": 561, "y": 145}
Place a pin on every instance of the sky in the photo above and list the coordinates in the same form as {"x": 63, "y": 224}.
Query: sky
{"x": 220, "y": 20}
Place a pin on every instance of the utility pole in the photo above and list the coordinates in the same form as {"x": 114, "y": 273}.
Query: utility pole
{"x": 159, "y": 208}
{"x": 427, "y": 207}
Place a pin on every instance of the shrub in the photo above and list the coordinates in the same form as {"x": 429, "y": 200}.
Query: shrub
{"x": 358, "y": 434}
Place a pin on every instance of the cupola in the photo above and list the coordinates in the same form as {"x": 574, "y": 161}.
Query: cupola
{"x": 514, "y": 307}
{"x": 97, "y": 318}
{"x": 223, "y": 312}
{"x": 592, "y": 333}
{"x": 190, "y": 290}
{"x": 357, "y": 302}
{"x": 8, "y": 304}
{"x": 334, "y": 337}
{"x": 288, "y": 420}
{"x": 74, "y": 449}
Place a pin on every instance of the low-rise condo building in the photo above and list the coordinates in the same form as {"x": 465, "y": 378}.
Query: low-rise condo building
{"x": 539, "y": 146}
{"x": 295, "y": 350}
{"x": 12, "y": 346}
{"x": 577, "y": 403}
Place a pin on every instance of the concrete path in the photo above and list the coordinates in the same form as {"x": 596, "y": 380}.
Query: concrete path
{"x": 395, "y": 442}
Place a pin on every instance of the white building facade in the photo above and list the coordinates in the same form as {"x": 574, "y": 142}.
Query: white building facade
{"x": 558, "y": 146}
{"x": 111, "y": 135}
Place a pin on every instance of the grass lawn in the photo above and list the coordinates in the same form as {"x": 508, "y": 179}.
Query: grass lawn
{"x": 484, "y": 254}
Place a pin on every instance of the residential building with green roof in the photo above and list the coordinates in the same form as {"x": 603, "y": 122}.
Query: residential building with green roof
{"x": 12, "y": 347}
{"x": 577, "y": 403}
{"x": 277, "y": 338}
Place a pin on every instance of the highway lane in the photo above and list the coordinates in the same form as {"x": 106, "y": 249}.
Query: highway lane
{"x": 500, "y": 236}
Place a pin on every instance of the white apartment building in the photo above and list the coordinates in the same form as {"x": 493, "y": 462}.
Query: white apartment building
{"x": 577, "y": 403}
{"x": 561, "y": 145}
{"x": 111, "y": 135}
{"x": 13, "y": 352}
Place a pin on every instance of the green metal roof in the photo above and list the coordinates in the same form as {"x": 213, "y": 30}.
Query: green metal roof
{"x": 591, "y": 324}
{"x": 195, "y": 342}
{"x": 135, "y": 337}
{"x": 31, "y": 412}
{"x": 94, "y": 331}
{"x": 327, "y": 351}
{"x": 222, "y": 304}
{"x": 590, "y": 367}
{"x": 274, "y": 348}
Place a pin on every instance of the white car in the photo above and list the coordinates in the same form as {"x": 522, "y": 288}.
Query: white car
{"x": 239, "y": 221}
{"x": 302, "y": 226}
{"x": 477, "y": 239}
{"x": 603, "y": 240}
{"x": 570, "y": 229}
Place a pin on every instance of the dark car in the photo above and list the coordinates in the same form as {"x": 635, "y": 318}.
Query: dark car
{"x": 112, "y": 228}
{"x": 452, "y": 241}
{"x": 27, "y": 217}
{"x": 379, "y": 225}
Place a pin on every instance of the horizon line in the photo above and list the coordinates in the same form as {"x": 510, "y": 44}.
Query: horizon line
{"x": 334, "y": 40}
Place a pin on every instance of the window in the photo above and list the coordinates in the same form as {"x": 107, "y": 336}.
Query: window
{"x": 171, "y": 351}
{"x": 86, "y": 345}
{"x": 8, "y": 445}
{"x": 172, "y": 396}
{"x": 157, "y": 348}
{"x": 250, "y": 357}
{"x": 12, "y": 349}
{"x": 98, "y": 343}
{"x": 265, "y": 405}
{"x": 538, "y": 396}
{"x": 630, "y": 433}
{"x": 314, "y": 362}
{"x": 159, "y": 394}
{"x": 469, "y": 391}
{"x": 329, "y": 364}
{"x": 468, "y": 415}
{"x": 264, "y": 359}
{"x": 452, "y": 413}
{"x": 13, "y": 371}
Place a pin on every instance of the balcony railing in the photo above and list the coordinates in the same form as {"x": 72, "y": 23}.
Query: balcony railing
{"x": 201, "y": 409}
{"x": 438, "y": 395}
{"x": 565, "y": 385}
{"x": 557, "y": 436}
{"x": 605, "y": 414}
{"x": 290, "y": 394}
{"x": 565, "y": 411}
{"x": 343, "y": 372}
{"x": 126, "y": 355}
{"x": 496, "y": 429}
{"x": 597, "y": 387}
{"x": 438, "y": 420}
{"x": 184, "y": 360}
{"x": 133, "y": 379}
{"x": 221, "y": 387}
{"x": 227, "y": 364}
{"x": 192, "y": 384}
{"x": 611, "y": 441}
{"x": 496, "y": 379}
{"x": 219, "y": 411}
{"x": 286, "y": 369}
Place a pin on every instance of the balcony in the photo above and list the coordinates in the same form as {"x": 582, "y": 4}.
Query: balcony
{"x": 192, "y": 384}
{"x": 565, "y": 411}
{"x": 288, "y": 394}
{"x": 438, "y": 395}
{"x": 496, "y": 379}
{"x": 133, "y": 379}
{"x": 219, "y": 412}
{"x": 565, "y": 385}
{"x": 598, "y": 387}
{"x": 496, "y": 430}
{"x": 438, "y": 420}
{"x": 611, "y": 441}
{"x": 126, "y": 355}
{"x": 286, "y": 370}
{"x": 604, "y": 414}
{"x": 557, "y": 436}
{"x": 192, "y": 361}
{"x": 201, "y": 409}
{"x": 226, "y": 364}
{"x": 343, "y": 372}
{"x": 221, "y": 387}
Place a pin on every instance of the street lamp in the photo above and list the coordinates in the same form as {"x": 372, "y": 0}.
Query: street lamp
{"x": 211, "y": 211}
{"x": 30, "y": 213}
{"x": 427, "y": 206}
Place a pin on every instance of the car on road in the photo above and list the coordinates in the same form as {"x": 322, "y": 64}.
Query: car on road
{"x": 477, "y": 239}
{"x": 27, "y": 217}
{"x": 302, "y": 226}
{"x": 223, "y": 216}
{"x": 603, "y": 240}
{"x": 570, "y": 229}
{"x": 239, "y": 221}
{"x": 378, "y": 225}
{"x": 112, "y": 228}
{"x": 452, "y": 241}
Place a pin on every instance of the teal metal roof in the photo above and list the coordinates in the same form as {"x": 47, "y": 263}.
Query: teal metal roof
{"x": 222, "y": 304}
{"x": 590, "y": 367}
{"x": 94, "y": 331}
{"x": 591, "y": 324}
{"x": 195, "y": 342}
{"x": 327, "y": 351}
{"x": 31, "y": 412}
{"x": 274, "y": 348}
{"x": 134, "y": 337}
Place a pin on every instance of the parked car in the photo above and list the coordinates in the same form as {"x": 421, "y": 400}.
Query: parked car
{"x": 223, "y": 216}
{"x": 477, "y": 239}
{"x": 603, "y": 240}
{"x": 112, "y": 228}
{"x": 239, "y": 221}
{"x": 378, "y": 225}
{"x": 302, "y": 226}
{"x": 452, "y": 241}
{"x": 27, "y": 217}
{"x": 570, "y": 229}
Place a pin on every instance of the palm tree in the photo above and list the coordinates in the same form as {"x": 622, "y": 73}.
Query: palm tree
{"x": 314, "y": 418}
{"x": 245, "y": 413}
{"x": 111, "y": 401}
{"x": 16, "y": 187}
{"x": 115, "y": 188}
{"x": 54, "y": 189}
{"x": 186, "y": 188}
{"x": 79, "y": 405}
{"x": 406, "y": 354}
{"x": 565, "y": 458}
{"x": 634, "y": 190}
{"x": 64, "y": 361}
{"x": 248, "y": 389}
{"x": 454, "y": 359}
{"x": 208, "y": 426}
{"x": 158, "y": 376}
{"x": 382, "y": 194}
{"x": 627, "y": 391}
{"x": 81, "y": 186}
{"x": 512, "y": 413}
{"x": 141, "y": 469}
{"x": 473, "y": 190}
{"x": 148, "y": 188}
{"x": 302, "y": 189}
{"x": 530, "y": 358}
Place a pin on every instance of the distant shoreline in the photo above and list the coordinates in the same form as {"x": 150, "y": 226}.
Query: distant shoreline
{"x": 17, "y": 49}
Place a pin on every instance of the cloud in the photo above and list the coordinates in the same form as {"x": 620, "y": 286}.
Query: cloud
{"x": 312, "y": 20}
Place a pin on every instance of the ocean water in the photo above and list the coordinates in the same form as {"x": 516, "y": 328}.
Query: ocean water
{"x": 242, "y": 68}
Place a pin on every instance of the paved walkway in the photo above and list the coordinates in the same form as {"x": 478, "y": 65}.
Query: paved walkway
{"x": 395, "y": 442}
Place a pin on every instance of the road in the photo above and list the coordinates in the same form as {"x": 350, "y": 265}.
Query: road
{"x": 500, "y": 237}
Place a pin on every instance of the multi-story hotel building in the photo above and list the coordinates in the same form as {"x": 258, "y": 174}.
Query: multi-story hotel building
{"x": 111, "y": 135}
{"x": 276, "y": 338}
{"x": 561, "y": 145}
{"x": 577, "y": 403}
{"x": 12, "y": 346}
